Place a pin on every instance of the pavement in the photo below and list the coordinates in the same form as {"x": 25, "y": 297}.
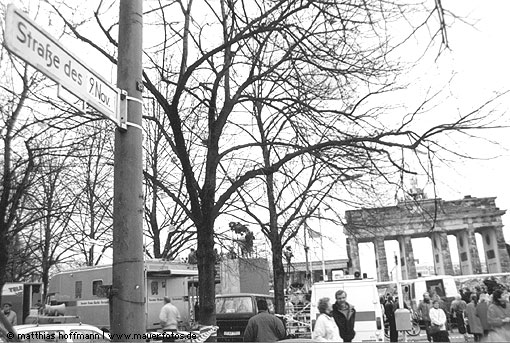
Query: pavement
{"x": 422, "y": 337}
{"x": 455, "y": 336}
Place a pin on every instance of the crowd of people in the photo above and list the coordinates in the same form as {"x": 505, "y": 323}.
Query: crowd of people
{"x": 483, "y": 313}
{"x": 485, "y": 316}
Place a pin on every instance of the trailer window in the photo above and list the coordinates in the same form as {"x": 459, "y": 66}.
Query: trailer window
{"x": 154, "y": 288}
{"x": 95, "y": 287}
{"x": 435, "y": 287}
{"x": 77, "y": 289}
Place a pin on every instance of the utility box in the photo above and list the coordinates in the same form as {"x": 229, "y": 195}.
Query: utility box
{"x": 403, "y": 319}
{"x": 247, "y": 275}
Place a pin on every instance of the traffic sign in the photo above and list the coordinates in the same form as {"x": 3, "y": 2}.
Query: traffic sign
{"x": 38, "y": 48}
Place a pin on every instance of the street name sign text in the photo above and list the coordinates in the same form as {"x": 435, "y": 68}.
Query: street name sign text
{"x": 32, "y": 44}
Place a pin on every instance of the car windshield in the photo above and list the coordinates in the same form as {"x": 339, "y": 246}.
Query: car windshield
{"x": 234, "y": 305}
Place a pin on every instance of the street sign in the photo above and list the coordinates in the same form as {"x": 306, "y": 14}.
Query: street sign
{"x": 32, "y": 44}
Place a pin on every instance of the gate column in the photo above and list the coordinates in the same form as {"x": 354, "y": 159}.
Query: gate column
{"x": 442, "y": 259}
{"x": 504, "y": 258}
{"x": 353, "y": 254}
{"x": 407, "y": 257}
{"x": 496, "y": 255}
{"x": 380, "y": 259}
{"x": 468, "y": 253}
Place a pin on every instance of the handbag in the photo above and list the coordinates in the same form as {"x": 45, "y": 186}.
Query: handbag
{"x": 433, "y": 329}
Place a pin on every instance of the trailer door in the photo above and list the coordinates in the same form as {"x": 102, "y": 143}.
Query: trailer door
{"x": 155, "y": 295}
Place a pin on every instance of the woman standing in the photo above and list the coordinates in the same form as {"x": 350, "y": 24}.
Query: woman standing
{"x": 438, "y": 323}
{"x": 481, "y": 312}
{"x": 498, "y": 317}
{"x": 475, "y": 325}
{"x": 325, "y": 327}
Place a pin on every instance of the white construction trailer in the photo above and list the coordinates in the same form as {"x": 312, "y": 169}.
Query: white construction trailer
{"x": 85, "y": 292}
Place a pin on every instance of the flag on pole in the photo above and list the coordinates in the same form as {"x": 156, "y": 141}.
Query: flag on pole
{"x": 313, "y": 234}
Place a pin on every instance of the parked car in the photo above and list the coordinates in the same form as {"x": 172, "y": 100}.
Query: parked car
{"x": 233, "y": 312}
{"x": 62, "y": 333}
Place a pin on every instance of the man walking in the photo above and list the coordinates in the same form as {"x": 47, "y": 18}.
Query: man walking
{"x": 264, "y": 326}
{"x": 169, "y": 319}
{"x": 423, "y": 313}
{"x": 344, "y": 315}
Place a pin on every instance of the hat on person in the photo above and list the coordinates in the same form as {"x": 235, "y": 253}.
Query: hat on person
{"x": 8, "y": 303}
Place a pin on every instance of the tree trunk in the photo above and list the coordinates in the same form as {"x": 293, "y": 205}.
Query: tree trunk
{"x": 278, "y": 275}
{"x": 4, "y": 259}
{"x": 276, "y": 243}
{"x": 46, "y": 258}
{"x": 205, "y": 257}
{"x": 45, "y": 280}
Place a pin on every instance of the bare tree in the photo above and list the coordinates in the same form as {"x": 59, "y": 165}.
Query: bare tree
{"x": 18, "y": 157}
{"x": 28, "y": 113}
{"x": 56, "y": 208}
{"x": 22, "y": 266}
{"x": 291, "y": 48}
{"x": 168, "y": 227}
{"x": 292, "y": 196}
{"x": 318, "y": 64}
{"x": 91, "y": 169}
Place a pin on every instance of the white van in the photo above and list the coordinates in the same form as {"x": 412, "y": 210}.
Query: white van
{"x": 363, "y": 295}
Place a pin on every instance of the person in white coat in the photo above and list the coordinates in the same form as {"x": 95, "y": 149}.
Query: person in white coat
{"x": 438, "y": 320}
{"x": 325, "y": 329}
{"x": 169, "y": 319}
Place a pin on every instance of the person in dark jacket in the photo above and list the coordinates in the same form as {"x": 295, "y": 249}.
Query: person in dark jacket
{"x": 389, "y": 311}
{"x": 345, "y": 316}
{"x": 423, "y": 313}
{"x": 457, "y": 310}
{"x": 264, "y": 326}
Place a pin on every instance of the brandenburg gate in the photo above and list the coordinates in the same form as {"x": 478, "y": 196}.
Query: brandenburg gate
{"x": 435, "y": 219}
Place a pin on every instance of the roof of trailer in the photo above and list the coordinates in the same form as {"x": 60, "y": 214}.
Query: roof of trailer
{"x": 151, "y": 266}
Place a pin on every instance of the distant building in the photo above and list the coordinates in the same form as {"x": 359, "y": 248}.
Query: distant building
{"x": 435, "y": 219}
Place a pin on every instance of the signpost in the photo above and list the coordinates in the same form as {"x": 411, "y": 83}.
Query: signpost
{"x": 34, "y": 45}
